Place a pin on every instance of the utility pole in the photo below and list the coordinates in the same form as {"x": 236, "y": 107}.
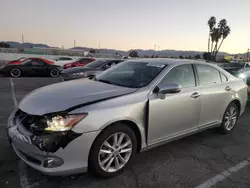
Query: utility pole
{"x": 99, "y": 44}
{"x": 74, "y": 43}
{"x": 154, "y": 51}
{"x": 22, "y": 38}
{"x": 158, "y": 50}
{"x": 248, "y": 54}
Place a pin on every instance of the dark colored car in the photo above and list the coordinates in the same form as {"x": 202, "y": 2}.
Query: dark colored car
{"x": 235, "y": 68}
{"x": 31, "y": 67}
{"x": 241, "y": 70}
{"x": 80, "y": 62}
{"x": 89, "y": 70}
{"x": 22, "y": 59}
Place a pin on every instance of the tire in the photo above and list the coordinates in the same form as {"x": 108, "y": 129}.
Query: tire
{"x": 15, "y": 72}
{"x": 117, "y": 157}
{"x": 54, "y": 73}
{"x": 230, "y": 118}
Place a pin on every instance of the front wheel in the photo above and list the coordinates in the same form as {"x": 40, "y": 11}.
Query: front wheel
{"x": 230, "y": 118}
{"x": 54, "y": 73}
{"x": 112, "y": 151}
{"x": 15, "y": 72}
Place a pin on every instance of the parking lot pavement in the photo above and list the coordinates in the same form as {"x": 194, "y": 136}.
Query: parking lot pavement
{"x": 197, "y": 160}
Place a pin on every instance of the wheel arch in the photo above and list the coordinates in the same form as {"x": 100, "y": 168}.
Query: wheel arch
{"x": 132, "y": 125}
{"x": 237, "y": 102}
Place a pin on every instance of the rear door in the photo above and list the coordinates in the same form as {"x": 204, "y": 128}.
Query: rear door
{"x": 215, "y": 94}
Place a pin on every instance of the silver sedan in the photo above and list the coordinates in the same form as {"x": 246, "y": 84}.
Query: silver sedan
{"x": 101, "y": 124}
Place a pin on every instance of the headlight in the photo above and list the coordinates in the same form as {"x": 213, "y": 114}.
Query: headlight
{"x": 63, "y": 123}
{"x": 78, "y": 74}
{"x": 242, "y": 75}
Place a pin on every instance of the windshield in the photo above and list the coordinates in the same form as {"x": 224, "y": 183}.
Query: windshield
{"x": 131, "y": 74}
{"x": 238, "y": 65}
{"x": 26, "y": 61}
{"x": 96, "y": 64}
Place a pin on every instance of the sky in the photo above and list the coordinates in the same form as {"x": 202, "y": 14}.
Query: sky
{"x": 125, "y": 24}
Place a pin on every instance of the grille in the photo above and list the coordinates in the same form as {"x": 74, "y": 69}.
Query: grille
{"x": 32, "y": 123}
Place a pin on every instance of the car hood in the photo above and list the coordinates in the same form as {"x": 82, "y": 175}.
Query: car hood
{"x": 79, "y": 69}
{"x": 66, "y": 96}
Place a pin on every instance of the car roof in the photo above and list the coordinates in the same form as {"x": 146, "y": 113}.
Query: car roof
{"x": 167, "y": 61}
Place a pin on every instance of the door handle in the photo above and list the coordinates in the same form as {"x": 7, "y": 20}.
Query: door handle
{"x": 228, "y": 88}
{"x": 195, "y": 95}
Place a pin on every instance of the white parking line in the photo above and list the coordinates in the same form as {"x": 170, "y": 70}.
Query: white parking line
{"x": 24, "y": 183}
{"x": 13, "y": 92}
{"x": 222, "y": 176}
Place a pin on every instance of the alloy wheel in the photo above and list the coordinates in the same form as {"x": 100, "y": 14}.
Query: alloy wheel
{"x": 230, "y": 118}
{"x": 54, "y": 73}
{"x": 15, "y": 72}
{"x": 115, "y": 152}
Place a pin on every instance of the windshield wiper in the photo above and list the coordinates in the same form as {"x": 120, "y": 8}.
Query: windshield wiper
{"x": 106, "y": 81}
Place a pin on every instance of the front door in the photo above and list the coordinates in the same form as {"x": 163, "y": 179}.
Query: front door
{"x": 178, "y": 113}
{"x": 37, "y": 67}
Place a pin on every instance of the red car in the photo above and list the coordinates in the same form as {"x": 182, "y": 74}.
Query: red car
{"x": 21, "y": 60}
{"x": 80, "y": 62}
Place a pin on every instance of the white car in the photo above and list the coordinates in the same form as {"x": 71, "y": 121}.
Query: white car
{"x": 63, "y": 60}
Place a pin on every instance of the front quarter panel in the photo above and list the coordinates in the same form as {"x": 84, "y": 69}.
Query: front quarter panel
{"x": 130, "y": 107}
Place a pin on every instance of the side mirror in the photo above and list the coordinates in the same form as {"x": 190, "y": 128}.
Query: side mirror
{"x": 167, "y": 89}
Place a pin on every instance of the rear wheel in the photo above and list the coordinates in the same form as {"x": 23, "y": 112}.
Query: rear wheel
{"x": 54, "y": 73}
{"x": 230, "y": 118}
{"x": 15, "y": 72}
{"x": 112, "y": 151}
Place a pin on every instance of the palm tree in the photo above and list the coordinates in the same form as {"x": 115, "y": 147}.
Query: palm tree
{"x": 211, "y": 23}
{"x": 217, "y": 35}
{"x": 226, "y": 31}
{"x": 213, "y": 38}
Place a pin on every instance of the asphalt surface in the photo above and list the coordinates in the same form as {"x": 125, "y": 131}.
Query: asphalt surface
{"x": 185, "y": 163}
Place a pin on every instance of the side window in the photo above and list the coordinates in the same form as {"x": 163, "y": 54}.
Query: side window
{"x": 65, "y": 59}
{"x": 223, "y": 78}
{"x": 112, "y": 63}
{"x": 247, "y": 65}
{"x": 85, "y": 60}
{"x": 36, "y": 62}
{"x": 182, "y": 75}
{"x": 208, "y": 75}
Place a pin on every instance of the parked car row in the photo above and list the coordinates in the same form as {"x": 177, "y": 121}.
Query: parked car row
{"x": 70, "y": 68}
{"x": 42, "y": 67}
{"x": 90, "y": 70}
{"x": 100, "y": 124}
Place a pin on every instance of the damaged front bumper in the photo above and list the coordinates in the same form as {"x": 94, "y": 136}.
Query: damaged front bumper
{"x": 53, "y": 154}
